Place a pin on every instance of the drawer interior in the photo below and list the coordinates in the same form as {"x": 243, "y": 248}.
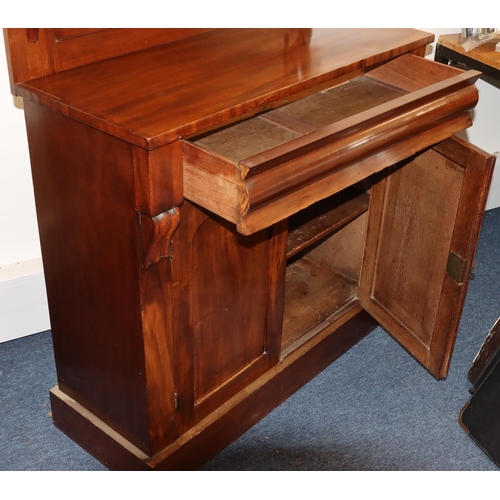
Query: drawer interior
{"x": 276, "y": 127}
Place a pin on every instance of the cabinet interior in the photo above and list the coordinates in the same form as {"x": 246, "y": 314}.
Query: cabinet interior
{"x": 324, "y": 252}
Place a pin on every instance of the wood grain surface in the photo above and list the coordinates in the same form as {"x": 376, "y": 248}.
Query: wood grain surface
{"x": 150, "y": 97}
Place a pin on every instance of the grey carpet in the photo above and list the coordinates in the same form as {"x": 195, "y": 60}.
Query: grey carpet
{"x": 374, "y": 409}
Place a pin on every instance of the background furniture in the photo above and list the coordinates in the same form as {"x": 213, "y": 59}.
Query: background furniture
{"x": 479, "y": 417}
{"x": 483, "y": 58}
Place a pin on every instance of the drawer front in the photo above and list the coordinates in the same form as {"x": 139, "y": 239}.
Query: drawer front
{"x": 263, "y": 170}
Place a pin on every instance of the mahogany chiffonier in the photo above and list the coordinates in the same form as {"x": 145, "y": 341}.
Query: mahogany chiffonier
{"x": 225, "y": 212}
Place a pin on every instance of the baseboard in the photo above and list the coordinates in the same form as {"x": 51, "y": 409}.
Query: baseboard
{"x": 23, "y": 303}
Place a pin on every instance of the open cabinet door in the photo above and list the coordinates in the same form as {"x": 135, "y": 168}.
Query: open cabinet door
{"x": 424, "y": 223}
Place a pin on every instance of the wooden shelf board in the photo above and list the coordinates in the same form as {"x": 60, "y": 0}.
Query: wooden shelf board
{"x": 324, "y": 218}
{"x": 313, "y": 295}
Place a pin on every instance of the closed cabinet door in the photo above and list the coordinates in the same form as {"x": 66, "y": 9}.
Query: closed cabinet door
{"x": 228, "y": 296}
{"x": 424, "y": 222}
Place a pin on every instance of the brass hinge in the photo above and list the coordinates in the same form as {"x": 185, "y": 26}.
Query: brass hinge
{"x": 456, "y": 268}
{"x": 176, "y": 400}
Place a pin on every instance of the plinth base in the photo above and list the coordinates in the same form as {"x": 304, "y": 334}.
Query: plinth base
{"x": 198, "y": 445}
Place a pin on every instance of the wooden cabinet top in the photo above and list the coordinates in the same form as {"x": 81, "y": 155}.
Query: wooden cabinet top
{"x": 151, "y": 96}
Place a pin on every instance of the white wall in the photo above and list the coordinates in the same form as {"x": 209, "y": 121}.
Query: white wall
{"x": 23, "y": 307}
{"x": 18, "y": 229}
{"x": 23, "y": 303}
{"x": 484, "y": 131}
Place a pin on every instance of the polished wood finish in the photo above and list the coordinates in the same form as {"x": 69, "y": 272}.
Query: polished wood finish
{"x": 95, "y": 281}
{"x": 217, "y": 207}
{"x": 223, "y": 426}
{"x": 39, "y": 52}
{"x": 227, "y": 65}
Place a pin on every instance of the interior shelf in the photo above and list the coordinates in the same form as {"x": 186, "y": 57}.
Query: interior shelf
{"x": 313, "y": 294}
{"x": 324, "y": 218}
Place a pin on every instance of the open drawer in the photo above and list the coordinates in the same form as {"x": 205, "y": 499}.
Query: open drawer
{"x": 263, "y": 169}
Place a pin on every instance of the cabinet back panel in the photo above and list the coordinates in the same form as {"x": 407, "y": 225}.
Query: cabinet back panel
{"x": 343, "y": 251}
{"x": 37, "y": 52}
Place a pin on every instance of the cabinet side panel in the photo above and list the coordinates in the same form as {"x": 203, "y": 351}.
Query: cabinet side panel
{"x": 84, "y": 191}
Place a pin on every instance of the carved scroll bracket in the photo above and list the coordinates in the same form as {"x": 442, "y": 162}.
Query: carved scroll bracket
{"x": 157, "y": 233}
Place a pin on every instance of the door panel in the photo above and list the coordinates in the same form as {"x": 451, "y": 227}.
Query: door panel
{"x": 424, "y": 222}
{"x": 228, "y": 297}
{"x": 228, "y": 306}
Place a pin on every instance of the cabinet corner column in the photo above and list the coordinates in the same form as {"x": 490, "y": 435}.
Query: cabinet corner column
{"x": 158, "y": 188}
